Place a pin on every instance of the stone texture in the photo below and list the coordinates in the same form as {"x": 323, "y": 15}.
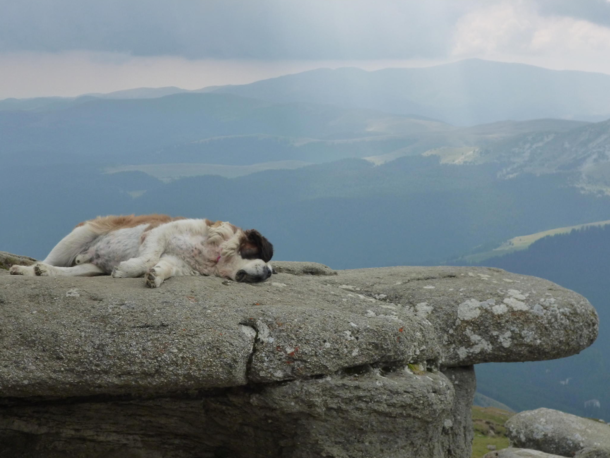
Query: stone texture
{"x": 593, "y": 452}
{"x": 311, "y": 363}
{"x": 302, "y": 268}
{"x": 86, "y": 336}
{"x": 482, "y": 314}
{"x": 457, "y": 435}
{"x": 552, "y": 431}
{"x": 519, "y": 453}
{"x": 349, "y": 415}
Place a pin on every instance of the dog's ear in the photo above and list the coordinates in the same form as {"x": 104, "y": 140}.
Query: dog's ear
{"x": 255, "y": 246}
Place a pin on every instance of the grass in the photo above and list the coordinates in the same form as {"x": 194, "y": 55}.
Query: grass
{"x": 524, "y": 241}
{"x": 488, "y": 424}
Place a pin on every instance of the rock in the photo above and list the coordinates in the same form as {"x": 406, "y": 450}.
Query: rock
{"x": 491, "y": 447}
{"x": 7, "y": 260}
{"x": 519, "y": 453}
{"x": 482, "y": 314}
{"x": 593, "y": 452}
{"x": 552, "y": 431}
{"x": 302, "y": 268}
{"x": 369, "y": 414}
{"x": 87, "y": 336}
{"x": 372, "y": 362}
{"x": 457, "y": 435}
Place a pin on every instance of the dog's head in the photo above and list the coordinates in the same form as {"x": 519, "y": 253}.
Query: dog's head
{"x": 246, "y": 257}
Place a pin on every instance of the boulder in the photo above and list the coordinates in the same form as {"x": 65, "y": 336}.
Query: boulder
{"x": 519, "y": 453}
{"x": 371, "y": 362}
{"x": 552, "y": 431}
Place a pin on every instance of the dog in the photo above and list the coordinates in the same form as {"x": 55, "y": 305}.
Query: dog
{"x": 157, "y": 247}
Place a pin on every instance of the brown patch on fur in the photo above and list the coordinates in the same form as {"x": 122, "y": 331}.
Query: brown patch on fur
{"x": 105, "y": 224}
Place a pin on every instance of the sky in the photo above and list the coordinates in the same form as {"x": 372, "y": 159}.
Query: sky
{"x": 72, "y": 47}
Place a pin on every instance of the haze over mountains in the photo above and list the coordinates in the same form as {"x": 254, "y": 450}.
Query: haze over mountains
{"x": 353, "y": 168}
{"x": 464, "y": 93}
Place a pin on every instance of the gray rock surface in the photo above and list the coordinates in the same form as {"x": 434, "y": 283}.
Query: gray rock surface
{"x": 519, "y": 453}
{"x": 302, "y": 268}
{"x": 86, "y": 336}
{"x": 552, "y": 431}
{"x": 485, "y": 315}
{"x": 366, "y": 414}
{"x": 593, "y": 452}
{"x": 373, "y": 362}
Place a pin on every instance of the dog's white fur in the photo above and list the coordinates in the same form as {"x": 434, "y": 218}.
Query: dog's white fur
{"x": 157, "y": 247}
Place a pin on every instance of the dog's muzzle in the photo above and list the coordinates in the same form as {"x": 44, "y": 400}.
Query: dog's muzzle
{"x": 245, "y": 277}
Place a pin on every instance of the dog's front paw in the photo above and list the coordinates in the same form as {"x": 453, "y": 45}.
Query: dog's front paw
{"x": 152, "y": 279}
{"x": 40, "y": 270}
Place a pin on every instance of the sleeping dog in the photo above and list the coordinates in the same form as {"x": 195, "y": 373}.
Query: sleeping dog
{"x": 157, "y": 247}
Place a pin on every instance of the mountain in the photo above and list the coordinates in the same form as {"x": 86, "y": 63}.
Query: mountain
{"x": 141, "y": 93}
{"x": 116, "y": 127}
{"x": 585, "y": 150}
{"x": 577, "y": 260}
{"x": 57, "y": 103}
{"x": 462, "y": 93}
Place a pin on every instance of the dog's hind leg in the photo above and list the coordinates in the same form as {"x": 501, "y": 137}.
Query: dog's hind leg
{"x": 73, "y": 244}
{"x": 82, "y": 270}
{"x": 168, "y": 266}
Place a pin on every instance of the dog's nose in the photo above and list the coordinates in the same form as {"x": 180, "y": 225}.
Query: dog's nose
{"x": 266, "y": 272}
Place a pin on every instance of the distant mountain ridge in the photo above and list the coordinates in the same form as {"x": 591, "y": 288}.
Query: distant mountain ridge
{"x": 463, "y": 93}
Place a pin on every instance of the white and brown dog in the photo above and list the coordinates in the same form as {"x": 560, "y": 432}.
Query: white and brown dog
{"x": 157, "y": 247}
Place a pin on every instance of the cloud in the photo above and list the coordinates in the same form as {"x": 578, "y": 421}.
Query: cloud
{"x": 518, "y": 28}
{"x": 234, "y": 29}
{"x": 595, "y": 11}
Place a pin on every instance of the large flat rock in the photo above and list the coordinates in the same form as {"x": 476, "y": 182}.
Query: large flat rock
{"x": 66, "y": 337}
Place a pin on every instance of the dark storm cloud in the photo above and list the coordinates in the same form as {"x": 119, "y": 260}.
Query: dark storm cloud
{"x": 596, "y": 11}
{"x": 257, "y": 29}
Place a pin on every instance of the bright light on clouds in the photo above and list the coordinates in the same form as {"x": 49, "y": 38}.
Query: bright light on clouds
{"x": 515, "y": 31}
